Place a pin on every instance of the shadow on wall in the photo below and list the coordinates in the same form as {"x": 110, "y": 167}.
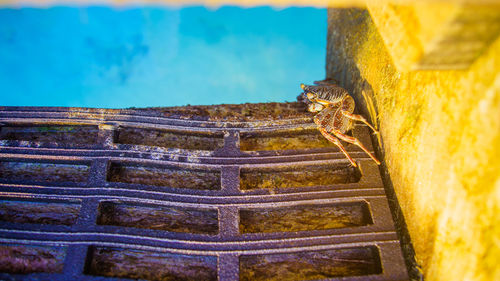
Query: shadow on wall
{"x": 343, "y": 67}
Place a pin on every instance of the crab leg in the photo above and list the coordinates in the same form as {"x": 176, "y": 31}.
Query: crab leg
{"x": 357, "y": 118}
{"x": 355, "y": 141}
{"x": 336, "y": 141}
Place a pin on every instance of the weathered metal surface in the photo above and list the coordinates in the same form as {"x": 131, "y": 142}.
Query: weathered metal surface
{"x": 223, "y": 212}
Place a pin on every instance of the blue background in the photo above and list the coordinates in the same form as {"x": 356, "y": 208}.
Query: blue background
{"x": 153, "y": 56}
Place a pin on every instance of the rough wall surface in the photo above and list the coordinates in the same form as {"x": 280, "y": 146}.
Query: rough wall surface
{"x": 441, "y": 138}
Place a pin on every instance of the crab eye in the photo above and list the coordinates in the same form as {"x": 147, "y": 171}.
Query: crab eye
{"x": 311, "y": 96}
{"x": 302, "y": 86}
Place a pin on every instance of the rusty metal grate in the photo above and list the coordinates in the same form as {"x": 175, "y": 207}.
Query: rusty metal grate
{"x": 105, "y": 194}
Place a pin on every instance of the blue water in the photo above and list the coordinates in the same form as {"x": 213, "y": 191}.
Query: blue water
{"x": 115, "y": 58}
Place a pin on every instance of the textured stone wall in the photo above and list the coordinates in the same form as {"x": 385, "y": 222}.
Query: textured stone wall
{"x": 441, "y": 136}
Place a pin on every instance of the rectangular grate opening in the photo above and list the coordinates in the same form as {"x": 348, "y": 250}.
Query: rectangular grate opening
{"x": 283, "y": 140}
{"x": 43, "y": 172}
{"x": 305, "y": 217}
{"x": 311, "y": 265}
{"x": 24, "y": 259}
{"x": 149, "y": 265}
{"x": 64, "y": 135}
{"x": 165, "y": 176}
{"x": 39, "y": 212}
{"x": 170, "y": 138}
{"x": 298, "y": 176}
{"x": 175, "y": 219}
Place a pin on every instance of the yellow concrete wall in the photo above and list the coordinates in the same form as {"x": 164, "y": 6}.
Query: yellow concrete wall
{"x": 441, "y": 137}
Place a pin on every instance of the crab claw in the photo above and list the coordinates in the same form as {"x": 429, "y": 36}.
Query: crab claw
{"x": 302, "y": 86}
{"x": 315, "y": 107}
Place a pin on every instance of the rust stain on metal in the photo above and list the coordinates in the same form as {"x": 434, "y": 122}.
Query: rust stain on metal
{"x": 304, "y": 217}
{"x": 312, "y": 265}
{"x": 151, "y": 265}
{"x": 39, "y": 212}
{"x": 164, "y": 176}
{"x": 297, "y": 176}
{"x": 22, "y": 259}
{"x": 167, "y": 218}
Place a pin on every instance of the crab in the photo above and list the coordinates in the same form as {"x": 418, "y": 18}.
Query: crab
{"x": 335, "y": 116}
